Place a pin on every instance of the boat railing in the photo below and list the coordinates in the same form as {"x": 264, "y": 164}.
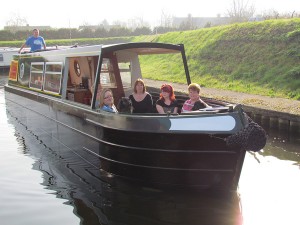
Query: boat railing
{"x": 51, "y": 48}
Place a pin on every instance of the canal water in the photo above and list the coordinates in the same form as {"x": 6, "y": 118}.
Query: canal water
{"x": 42, "y": 183}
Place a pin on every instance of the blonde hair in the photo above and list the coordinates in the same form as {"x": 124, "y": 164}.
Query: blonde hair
{"x": 194, "y": 87}
{"x": 102, "y": 94}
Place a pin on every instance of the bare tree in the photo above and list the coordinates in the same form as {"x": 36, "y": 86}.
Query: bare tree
{"x": 270, "y": 14}
{"x": 119, "y": 23}
{"x": 104, "y": 24}
{"x": 137, "y": 22}
{"x": 166, "y": 20}
{"x": 16, "y": 21}
{"x": 241, "y": 11}
{"x": 273, "y": 14}
{"x": 293, "y": 14}
{"x": 188, "y": 23}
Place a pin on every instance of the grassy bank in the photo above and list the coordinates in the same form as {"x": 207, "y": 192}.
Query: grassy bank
{"x": 256, "y": 57}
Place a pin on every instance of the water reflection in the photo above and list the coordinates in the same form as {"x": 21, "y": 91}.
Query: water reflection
{"x": 22, "y": 199}
{"x": 270, "y": 181}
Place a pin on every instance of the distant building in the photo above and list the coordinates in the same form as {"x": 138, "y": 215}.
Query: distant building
{"x": 26, "y": 28}
{"x": 95, "y": 27}
{"x": 257, "y": 18}
{"x": 92, "y": 27}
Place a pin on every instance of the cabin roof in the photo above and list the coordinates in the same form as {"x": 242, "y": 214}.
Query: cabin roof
{"x": 140, "y": 48}
{"x": 144, "y": 48}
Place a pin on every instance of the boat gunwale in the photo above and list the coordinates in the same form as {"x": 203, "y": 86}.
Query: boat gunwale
{"x": 87, "y": 110}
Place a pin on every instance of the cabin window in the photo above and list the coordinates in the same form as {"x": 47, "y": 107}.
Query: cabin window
{"x": 53, "y": 74}
{"x": 36, "y": 75}
{"x": 107, "y": 76}
{"x": 164, "y": 66}
{"x": 125, "y": 73}
{"x": 1, "y": 58}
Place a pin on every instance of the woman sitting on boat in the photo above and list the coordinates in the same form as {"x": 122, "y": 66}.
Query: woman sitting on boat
{"x": 167, "y": 102}
{"x": 195, "y": 102}
{"x": 141, "y": 100}
{"x": 107, "y": 101}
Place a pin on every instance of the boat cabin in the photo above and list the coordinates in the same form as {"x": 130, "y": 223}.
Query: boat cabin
{"x": 79, "y": 74}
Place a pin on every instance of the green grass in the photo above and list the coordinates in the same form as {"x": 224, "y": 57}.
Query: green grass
{"x": 258, "y": 57}
{"x": 254, "y": 57}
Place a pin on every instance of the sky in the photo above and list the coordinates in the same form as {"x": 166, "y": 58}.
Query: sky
{"x": 66, "y": 13}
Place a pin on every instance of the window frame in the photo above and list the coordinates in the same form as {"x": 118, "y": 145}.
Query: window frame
{"x": 46, "y": 73}
{"x": 107, "y": 74}
{"x": 37, "y": 72}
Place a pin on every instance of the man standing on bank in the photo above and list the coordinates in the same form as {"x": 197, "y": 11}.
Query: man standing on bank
{"x": 35, "y": 42}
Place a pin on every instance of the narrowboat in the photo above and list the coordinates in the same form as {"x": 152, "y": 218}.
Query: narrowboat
{"x": 56, "y": 90}
{"x": 6, "y": 55}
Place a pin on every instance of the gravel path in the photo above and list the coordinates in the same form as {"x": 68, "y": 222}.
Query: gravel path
{"x": 258, "y": 101}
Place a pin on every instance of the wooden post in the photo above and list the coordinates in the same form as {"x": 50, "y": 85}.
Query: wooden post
{"x": 284, "y": 124}
{"x": 265, "y": 121}
{"x": 274, "y": 122}
{"x": 257, "y": 118}
{"x": 295, "y": 127}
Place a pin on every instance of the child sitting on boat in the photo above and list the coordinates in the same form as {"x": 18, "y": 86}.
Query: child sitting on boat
{"x": 195, "y": 102}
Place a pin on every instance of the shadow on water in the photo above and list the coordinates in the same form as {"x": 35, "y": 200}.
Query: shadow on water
{"x": 100, "y": 198}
